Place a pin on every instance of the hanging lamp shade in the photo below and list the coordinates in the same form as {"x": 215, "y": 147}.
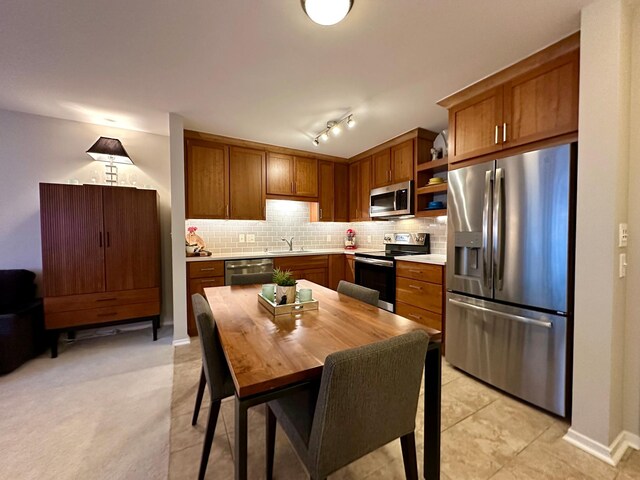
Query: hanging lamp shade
{"x": 109, "y": 150}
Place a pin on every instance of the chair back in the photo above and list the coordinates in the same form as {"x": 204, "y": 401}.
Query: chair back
{"x": 364, "y": 294}
{"x": 368, "y": 397}
{"x": 251, "y": 278}
{"x": 214, "y": 363}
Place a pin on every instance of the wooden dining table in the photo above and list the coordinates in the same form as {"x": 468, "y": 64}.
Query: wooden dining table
{"x": 270, "y": 357}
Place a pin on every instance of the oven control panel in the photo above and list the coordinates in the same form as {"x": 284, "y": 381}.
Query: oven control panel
{"x": 405, "y": 238}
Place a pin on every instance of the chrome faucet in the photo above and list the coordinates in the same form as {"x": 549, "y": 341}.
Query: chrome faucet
{"x": 289, "y": 242}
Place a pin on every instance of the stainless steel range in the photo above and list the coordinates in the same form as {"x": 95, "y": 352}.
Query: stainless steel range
{"x": 377, "y": 270}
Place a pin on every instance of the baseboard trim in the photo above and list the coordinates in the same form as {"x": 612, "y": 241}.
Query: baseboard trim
{"x": 609, "y": 454}
{"x": 181, "y": 341}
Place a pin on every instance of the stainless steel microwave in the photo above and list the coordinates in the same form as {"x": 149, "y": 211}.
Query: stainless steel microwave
{"x": 391, "y": 201}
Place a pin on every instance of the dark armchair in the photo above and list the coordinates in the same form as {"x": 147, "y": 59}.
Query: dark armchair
{"x": 21, "y": 319}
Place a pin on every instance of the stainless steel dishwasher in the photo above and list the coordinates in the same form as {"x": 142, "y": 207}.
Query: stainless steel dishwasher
{"x": 240, "y": 267}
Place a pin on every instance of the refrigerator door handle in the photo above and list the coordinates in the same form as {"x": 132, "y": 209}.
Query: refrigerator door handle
{"x": 498, "y": 228}
{"x": 518, "y": 318}
{"x": 486, "y": 231}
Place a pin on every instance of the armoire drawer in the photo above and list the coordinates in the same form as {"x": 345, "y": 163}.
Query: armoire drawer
{"x": 87, "y": 301}
{"x": 419, "y": 271}
{"x": 419, "y": 294}
{"x": 101, "y": 315}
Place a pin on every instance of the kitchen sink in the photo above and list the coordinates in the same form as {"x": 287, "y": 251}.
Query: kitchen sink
{"x": 287, "y": 252}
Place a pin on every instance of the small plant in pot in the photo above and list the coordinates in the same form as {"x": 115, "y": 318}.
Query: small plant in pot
{"x": 285, "y": 286}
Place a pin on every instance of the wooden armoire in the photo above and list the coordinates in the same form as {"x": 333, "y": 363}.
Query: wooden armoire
{"x": 100, "y": 256}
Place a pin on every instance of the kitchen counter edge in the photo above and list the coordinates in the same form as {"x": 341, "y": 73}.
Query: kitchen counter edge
{"x": 433, "y": 259}
{"x": 242, "y": 256}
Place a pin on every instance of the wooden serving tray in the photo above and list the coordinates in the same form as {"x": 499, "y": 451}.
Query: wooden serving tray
{"x": 289, "y": 309}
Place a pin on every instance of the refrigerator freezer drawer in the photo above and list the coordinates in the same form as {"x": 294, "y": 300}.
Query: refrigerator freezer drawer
{"x": 520, "y": 351}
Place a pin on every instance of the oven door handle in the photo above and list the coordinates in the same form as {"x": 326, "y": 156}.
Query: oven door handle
{"x": 373, "y": 261}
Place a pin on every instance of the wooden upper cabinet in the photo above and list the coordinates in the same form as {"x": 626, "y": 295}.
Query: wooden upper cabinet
{"x": 132, "y": 237}
{"x": 341, "y": 189}
{"x": 280, "y": 174}
{"x": 542, "y": 103}
{"x": 529, "y": 102}
{"x": 247, "y": 183}
{"x": 365, "y": 187}
{"x": 474, "y": 126}
{"x": 207, "y": 179}
{"x": 381, "y": 168}
{"x": 72, "y": 239}
{"x": 327, "y": 188}
{"x": 402, "y": 162}
{"x": 354, "y": 192}
{"x": 306, "y": 177}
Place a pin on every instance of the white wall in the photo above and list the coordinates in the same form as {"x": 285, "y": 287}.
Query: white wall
{"x": 631, "y": 413}
{"x": 178, "y": 254}
{"x": 603, "y": 196}
{"x": 36, "y": 149}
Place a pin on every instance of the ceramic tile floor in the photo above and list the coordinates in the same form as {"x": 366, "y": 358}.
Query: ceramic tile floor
{"x": 485, "y": 435}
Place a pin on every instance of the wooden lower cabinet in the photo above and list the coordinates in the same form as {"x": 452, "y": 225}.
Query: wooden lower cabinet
{"x": 201, "y": 275}
{"x": 314, "y": 268}
{"x": 350, "y": 268}
{"x": 420, "y": 294}
{"x": 337, "y": 268}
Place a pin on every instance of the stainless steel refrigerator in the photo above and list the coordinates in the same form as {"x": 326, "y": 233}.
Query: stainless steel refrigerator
{"x": 510, "y": 274}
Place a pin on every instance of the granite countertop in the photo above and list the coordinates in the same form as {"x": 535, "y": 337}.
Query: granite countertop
{"x": 432, "y": 258}
{"x": 274, "y": 254}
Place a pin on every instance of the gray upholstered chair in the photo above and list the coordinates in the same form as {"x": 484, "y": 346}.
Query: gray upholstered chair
{"x": 251, "y": 278}
{"x": 361, "y": 404}
{"x": 364, "y": 294}
{"x": 215, "y": 373}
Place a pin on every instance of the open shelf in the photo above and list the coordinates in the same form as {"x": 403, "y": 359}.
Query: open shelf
{"x": 432, "y": 189}
{"x": 441, "y": 164}
{"x": 431, "y": 213}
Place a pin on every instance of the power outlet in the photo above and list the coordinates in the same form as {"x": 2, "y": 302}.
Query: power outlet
{"x": 623, "y": 265}
{"x": 241, "y": 238}
{"x": 251, "y": 238}
{"x": 328, "y": 238}
{"x": 623, "y": 235}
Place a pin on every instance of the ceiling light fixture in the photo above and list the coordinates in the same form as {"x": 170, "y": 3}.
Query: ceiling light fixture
{"x": 326, "y": 12}
{"x": 335, "y": 128}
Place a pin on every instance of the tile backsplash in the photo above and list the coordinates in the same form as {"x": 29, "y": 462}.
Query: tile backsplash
{"x": 291, "y": 219}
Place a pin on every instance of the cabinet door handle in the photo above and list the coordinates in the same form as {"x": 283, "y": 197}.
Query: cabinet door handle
{"x": 106, "y": 299}
{"x": 292, "y": 188}
{"x": 415, "y": 287}
{"x": 207, "y": 269}
{"x": 227, "y": 211}
{"x": 415, "y": 271}
{"x": 504, "y": 133}
{"x": 496, "y": 136}
{"x": 417, "y": 317}
{"x": 110, "y": 314}
{"x": 320, "y": 213}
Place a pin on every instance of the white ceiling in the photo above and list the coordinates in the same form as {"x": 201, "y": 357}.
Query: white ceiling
{"x": 260, "y": 69}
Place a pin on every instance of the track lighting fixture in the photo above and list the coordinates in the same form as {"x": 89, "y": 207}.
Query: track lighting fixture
{"x": 335, "y": 127}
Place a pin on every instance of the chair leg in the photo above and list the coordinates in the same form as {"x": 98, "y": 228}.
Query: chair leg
{"x": 271, "y": 441}
{"x": 408, "y": 443}
{"x": 199, "y": 395}
{"x": 208, "y": 437}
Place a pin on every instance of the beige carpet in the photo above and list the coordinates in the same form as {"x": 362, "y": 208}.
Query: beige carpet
{"x": 101, "y": 410}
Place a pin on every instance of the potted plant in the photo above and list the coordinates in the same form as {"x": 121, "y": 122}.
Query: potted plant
{"x": 285, "y": 286}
